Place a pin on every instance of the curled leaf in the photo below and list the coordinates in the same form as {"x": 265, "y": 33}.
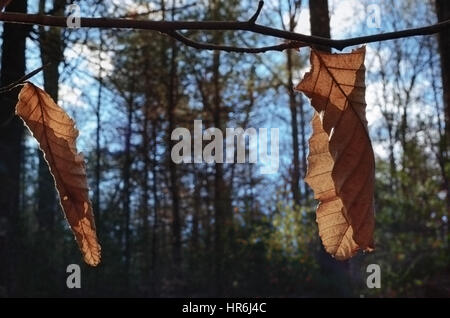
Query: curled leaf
{"x": 56, "y": 134}
{"x": 341, "y": 165}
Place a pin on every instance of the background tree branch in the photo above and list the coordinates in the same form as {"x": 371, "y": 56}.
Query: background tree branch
{"x": 170, "y": 28}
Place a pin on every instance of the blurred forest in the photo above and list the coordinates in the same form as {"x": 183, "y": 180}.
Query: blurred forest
{"x": 204, "y": 230}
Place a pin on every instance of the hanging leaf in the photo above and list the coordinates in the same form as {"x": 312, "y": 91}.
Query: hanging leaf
{"x": 341, "y": 165}
{"x": 56, "y": 134}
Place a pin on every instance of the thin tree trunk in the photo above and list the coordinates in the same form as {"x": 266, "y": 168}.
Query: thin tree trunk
{"x": 146, "y": 194}
{"x": 154, "y": 253}
{"x": 173, "y": 173}
{"x": 176, "y": 226}
{"x": 11, "y": 133}
{"x": 320, "y": 26}
{"x": 98, "y": 152}
{"x": 207, "y": 221}
{"x": 304, "y": 147}
{"x": 196, "y": 211}
{"x": 295, "y": 178}
{"x": 127, "y": 185}
{"x": 296, "y": 173}
{"x": 390, "y": 129}
{"x": 219, "y": 186}
{"x": 51, "y": 48}
{"x": 222, "y": 203}
{"x": 320, "y": 21}
{"x": 443, "y": 13}
{"x": 149, "y": 249}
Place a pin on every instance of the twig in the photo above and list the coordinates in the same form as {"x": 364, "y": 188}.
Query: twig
{"x": 134, "y": 15}
{"x": 21, "y": 80}
{"x": 258, "y": 11}
{"x": 226, "y": 48}
{"x": 168, "y": 27}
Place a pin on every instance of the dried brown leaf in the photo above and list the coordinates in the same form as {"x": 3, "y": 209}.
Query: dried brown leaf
{"x": 341, "y": 165}
{"x": 56, "y": 134}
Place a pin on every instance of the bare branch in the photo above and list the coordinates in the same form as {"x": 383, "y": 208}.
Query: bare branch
{"x": 22, "y": 80}
{"x": 170, "y": 28}
{"x": 226, "y": 48}
{"x": 258, "y": 11}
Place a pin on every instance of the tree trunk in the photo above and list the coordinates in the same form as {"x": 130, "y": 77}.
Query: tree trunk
{"x": 173, "y": 170}
{"x": 304, "y": 147}
{"x": 443, "y": 13}
{"x": 51, "y": 48}
{"x": 11, "y": 133}
{"x": 148, "y": 249}
{"x": 98, "y": 151}
{"x": 222, "y": 208}
{"x": 153, "y": 266}
{"x": 196, "y": 210}
{"x": 320, "y": 26}
{"x": 320, "y": 21}
{"x": 295, "y": 179}
{"x": 297, "y": 171}
{"x": 127, "y": 184}
{"x": 176, "y": 226}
